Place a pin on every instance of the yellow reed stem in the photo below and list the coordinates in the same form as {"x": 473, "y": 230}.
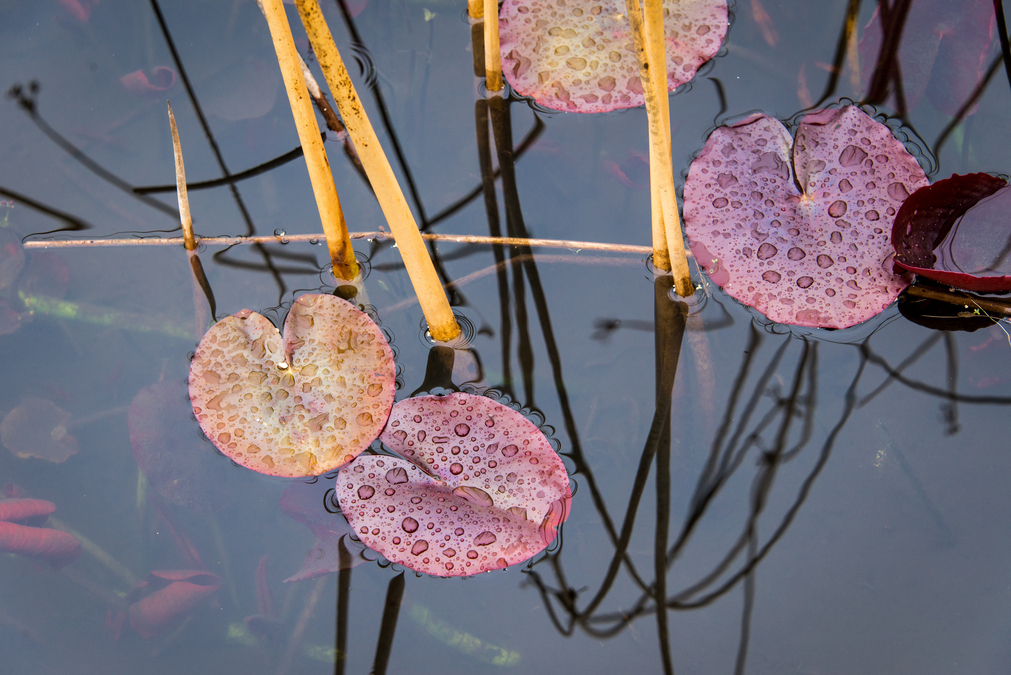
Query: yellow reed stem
{"x": 432, "y": 297}
{"x": 189, "y": 241}
{"x": 338, "y": 242}
{"x": 653, "y": 71}
{"x": 492, "y": 57}
{"x": 475, "y": 9}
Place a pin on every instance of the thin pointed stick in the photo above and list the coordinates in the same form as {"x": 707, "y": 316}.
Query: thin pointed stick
{"x": 441, "y": 323}
{"x": 201, "y": 288}
{"x": 492, "y": 57}
{"x": 338, "y": 242}
{"x": 653, "y": 71}
{"x": 189, "y": 241}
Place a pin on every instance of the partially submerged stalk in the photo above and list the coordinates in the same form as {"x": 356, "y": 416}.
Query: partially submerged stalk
{"x": 434, "y": 303}
{"x": 338, "y": 242}
{"x": 201, "y": 288}
{"x": 651, "y": 50}
{"x": 492, "y": 56}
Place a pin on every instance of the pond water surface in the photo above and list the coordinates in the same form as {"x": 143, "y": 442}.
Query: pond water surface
{"x": 828, "y": 502}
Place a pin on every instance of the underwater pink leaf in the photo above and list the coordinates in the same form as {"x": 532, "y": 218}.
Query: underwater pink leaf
{"x": 138, "y": 82}
{"x": 56, "y": 547}
{"x": 945, "y": 50}
{"x": 298, "y": 405}
{"x": 306, "y": 503}
{"x": 178, "y": 593}
{"x": 799, "y": 229}
{"x": 478, "y": 487}
{"x": 958, "y": 232}
{"x": 174, "y": 460}
{"x": 579, "y": 57}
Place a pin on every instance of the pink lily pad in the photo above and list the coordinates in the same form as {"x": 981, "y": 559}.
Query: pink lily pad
{"x": 298, "y": 405}
{"x": 580, "y": 57}
{"x": 476, "y": 487}
{"x": 799, "y": 230}
{"x": 961, "y": 226}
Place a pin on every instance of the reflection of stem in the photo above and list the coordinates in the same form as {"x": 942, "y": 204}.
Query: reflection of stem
{"x": 343, "y": 602}
{"x": 388, "y": 627}
{"x": 303, "y": 622}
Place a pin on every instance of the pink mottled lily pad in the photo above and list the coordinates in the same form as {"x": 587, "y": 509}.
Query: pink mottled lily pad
{"x": 477, "y": 487}
{"x": 957, "y": 231}
{"x": 298, "y": 405}
{"x": 799, "y": 230}
{"x": 579, "y": 57}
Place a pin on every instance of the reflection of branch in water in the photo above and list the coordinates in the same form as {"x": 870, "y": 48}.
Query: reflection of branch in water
{"x": 845, "y": 38}
{"x": 388, "y": 627}
{"x": 74, "y": 222}
{"x": 790, "y": 421}
{"x": 27, "y": 101}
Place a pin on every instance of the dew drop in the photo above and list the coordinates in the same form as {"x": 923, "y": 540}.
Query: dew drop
{"x": 825, "y": 261}
{"x": 485, "y": 538}
{"x": 772, "y": 276}
{"x": 805, "y": 282}
{"x": 510, "y": 450}
{"x": 396, "y": 476}
{"x": 796, "y": 253}
{"x": 720, "y": 202}
{"x": 417, "y": 419}
{"x": 410, "y": 524}
{"x": 422, "y": 436}
{"x": 845, "y": 186}
{"x": 872, "y": 215}
{"x": 766, "y": 251}
{"x": 461, "y": 429}
{"x": 837, "y": 208}
{"x": 898, "y": 192}
{"x": 456, "y": 469}
{"x": 472, "y": 554}
{"x": 366, "y": 492}
{"x": 419, "y": 547}
{"x": 852, "y": 156}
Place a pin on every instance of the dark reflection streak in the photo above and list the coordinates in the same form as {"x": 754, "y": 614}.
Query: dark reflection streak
{"x": 28, "y": 103}
{"x": 385, "y": 115}
{"x": 749, "y": 604}
{"x": 670, "y": 318}
{"x": 250, "y": 229}
{"x": 810, "y": 406}
{"x": 531, "y": 136}
{"x": 971, "y": 101}
{"x": 929, "y": 389}
{"x": 908, "y": 361}
{"x": 76, "y": 223}
{"x": 721, "y": 95}
{"x": 887, "y": 70}
{"x": 502, "y": 127}
{"x": 388, "y": 627}
{"x": 951, "y": 409}
{"x": 227, "y": 180}
{"x": 849, "y": 27}
{"x": 205, "y": 286}
{"x": 343, "y": 602}
{"x": 1005, "y": 48}
{"x": 481, "y": 122}
{"x": 501, "y": 122}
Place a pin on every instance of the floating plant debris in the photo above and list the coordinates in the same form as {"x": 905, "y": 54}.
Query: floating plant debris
{"x": 958, "y": 232}
{"x": 580, "y": 57}
{"x": 37, "y": 428}
{"x": 799, "y": 230}
{"x": 56, "y": 547}
{"x": 298, "y": 405}
{"x": 477, "y": 487}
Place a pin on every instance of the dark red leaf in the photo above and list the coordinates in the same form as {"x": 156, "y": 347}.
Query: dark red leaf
{"x": 941, "y": 218}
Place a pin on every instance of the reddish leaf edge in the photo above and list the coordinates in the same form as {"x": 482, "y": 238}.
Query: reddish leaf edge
{"x": 926, "y": 218}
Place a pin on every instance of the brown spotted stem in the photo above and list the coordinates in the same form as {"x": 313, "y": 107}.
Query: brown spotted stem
{"x": 338, "y": 242}
{"x": 441, "y": 323}
{"x": 492, "y": 57}
{"x": 651, "y": 51}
